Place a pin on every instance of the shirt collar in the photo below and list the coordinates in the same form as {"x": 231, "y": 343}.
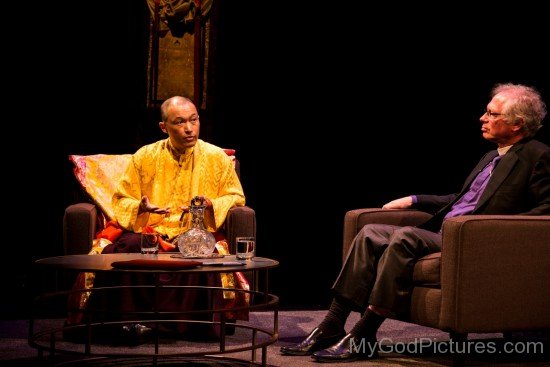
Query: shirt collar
{"x": 180, "y": 157}
{"x": 503, "y": 150}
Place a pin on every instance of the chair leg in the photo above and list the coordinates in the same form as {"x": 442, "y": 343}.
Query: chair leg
{"x": 458, "y": 342}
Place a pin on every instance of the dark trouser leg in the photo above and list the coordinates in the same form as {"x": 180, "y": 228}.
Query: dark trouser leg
{"x": 351, "y": 290}
{"x": 393, "y": 283}
{"x": 358, "y": 273}
{"x": 391, "y": 252}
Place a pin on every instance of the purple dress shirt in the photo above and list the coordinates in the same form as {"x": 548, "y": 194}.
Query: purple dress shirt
{"x": 467, "y": 202}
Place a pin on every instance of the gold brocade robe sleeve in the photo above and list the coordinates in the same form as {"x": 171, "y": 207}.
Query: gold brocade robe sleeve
{"x": 154, "y": 172}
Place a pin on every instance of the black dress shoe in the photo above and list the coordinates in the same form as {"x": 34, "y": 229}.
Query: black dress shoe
{"x": 316, "y": 340}
{"x": 350, "y": 348}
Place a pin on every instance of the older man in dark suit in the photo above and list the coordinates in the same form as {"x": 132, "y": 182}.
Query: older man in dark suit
{"x": 377, "y": 274}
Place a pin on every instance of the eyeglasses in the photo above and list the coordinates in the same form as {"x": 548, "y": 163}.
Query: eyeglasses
{"x": 493, "y": 114}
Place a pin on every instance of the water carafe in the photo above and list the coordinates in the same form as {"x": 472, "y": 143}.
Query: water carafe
{"x": 196, "y": 241}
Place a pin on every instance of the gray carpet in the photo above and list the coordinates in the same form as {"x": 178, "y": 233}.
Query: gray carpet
{"x": 405, "y": 345}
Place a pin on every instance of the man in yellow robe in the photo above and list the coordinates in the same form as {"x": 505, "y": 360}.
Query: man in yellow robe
{"x": 159, "y": 183}
{"x": 162, "y": 178}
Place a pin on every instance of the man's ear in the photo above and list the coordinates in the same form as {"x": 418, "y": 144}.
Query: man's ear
{"x": 162, "y": 126}
{"x": 518, "y": 124}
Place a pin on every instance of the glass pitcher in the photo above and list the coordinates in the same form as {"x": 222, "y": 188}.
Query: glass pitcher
{"x": 196, "y": 241}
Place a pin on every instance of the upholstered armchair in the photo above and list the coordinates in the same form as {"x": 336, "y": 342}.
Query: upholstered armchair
{"x": 97, "y": 175}
{"x": 490, "y": 276}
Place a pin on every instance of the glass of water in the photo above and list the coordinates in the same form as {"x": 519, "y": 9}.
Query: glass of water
{"x": 150, "y": 243}
{"x": 246, "y": 248}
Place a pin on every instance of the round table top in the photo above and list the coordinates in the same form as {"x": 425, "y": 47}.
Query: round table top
{"x": 102, "y": 262}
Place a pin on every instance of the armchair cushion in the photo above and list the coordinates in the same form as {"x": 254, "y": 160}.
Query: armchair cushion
{"x": 98, "y": 175}
{"x": 427, "y": 270}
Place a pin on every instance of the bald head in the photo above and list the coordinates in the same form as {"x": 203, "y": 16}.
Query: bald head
{"x": 173, "y": 101}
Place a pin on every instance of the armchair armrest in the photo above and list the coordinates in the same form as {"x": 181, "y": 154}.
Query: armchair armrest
{"x": 80, "y": 223}
{"x": 240, "y": 221}
{"x": 356, "y": 219}
{"x": 494, "y": 270}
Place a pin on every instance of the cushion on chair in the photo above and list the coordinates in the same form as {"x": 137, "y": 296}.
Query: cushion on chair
{"x": 427, "y": 270}
{"x": 98, "y": 174}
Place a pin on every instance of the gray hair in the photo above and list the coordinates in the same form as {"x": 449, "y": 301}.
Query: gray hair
{"x": 523, "y": 102}
{"x": 172, "y": 101}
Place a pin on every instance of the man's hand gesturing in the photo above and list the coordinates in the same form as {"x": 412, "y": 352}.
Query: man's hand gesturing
{"x": 146, "y": 206}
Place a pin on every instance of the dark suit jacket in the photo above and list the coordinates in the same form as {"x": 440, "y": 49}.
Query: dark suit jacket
{"x": 520, "y": 184}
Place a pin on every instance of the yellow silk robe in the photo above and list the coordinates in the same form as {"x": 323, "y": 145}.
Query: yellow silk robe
{"x": 169, "y": 180}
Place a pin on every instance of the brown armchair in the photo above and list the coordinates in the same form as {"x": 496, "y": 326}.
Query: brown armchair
{"x": 83, "y": 220}
{"x": 490, "y": 276}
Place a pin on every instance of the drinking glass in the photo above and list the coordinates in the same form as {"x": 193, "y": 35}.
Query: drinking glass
{"x": 150, "y": 243}
{"x": 246, "y": 248}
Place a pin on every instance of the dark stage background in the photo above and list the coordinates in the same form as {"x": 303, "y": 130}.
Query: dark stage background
{"x": 327, "y": 111}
